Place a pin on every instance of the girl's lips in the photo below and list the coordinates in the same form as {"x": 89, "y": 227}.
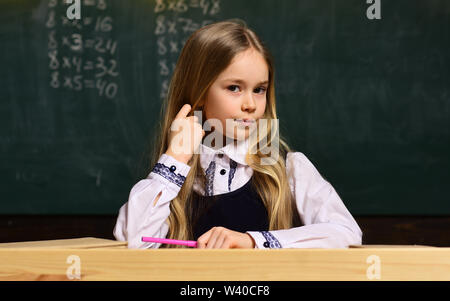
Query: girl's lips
{"x": 245, "y": 121}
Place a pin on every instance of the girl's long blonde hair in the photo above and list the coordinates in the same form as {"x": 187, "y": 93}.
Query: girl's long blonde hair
{"x": 206, "y": 53}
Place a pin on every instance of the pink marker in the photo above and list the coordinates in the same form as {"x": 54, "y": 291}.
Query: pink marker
{"x": 189, "y": 243}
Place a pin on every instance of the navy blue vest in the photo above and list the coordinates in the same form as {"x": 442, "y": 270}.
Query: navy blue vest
{"x": 240, "y": 210}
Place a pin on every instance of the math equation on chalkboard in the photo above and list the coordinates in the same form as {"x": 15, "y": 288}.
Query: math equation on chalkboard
{"x": 82, "y": 52}
{"x": 175, "y": 21}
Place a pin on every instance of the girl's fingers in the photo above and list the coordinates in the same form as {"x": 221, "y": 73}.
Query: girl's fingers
{"x": 203, "y": 239}
{"x": 220, "y": 237}
{"x": 223, "y": 241}
{"x": 212, "y": 239}
{"x": 209, "y": 240}
{"x": 184, "y": 111}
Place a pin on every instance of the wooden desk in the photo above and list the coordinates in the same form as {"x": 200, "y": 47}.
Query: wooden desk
{"x": 93, "y": 259}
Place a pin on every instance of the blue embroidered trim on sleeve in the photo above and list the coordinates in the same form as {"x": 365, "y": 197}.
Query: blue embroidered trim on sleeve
{"x": 165, "y": 172}
{"x": 271, "y": 241}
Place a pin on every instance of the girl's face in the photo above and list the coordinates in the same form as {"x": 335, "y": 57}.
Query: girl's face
{"x": 239, "y": 95}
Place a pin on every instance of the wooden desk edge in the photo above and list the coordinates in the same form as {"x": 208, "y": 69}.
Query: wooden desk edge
{"x": 227, "y": 265}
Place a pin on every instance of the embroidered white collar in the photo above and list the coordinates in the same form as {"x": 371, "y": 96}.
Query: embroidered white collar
{"x": 235, "y": 151}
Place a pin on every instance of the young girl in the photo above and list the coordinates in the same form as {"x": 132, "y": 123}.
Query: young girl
{"x": 226, "y": 197}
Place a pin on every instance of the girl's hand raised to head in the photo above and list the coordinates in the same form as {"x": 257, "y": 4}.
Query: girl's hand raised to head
{"x": 223, "y": 238}
{"x": 185, "y": 136}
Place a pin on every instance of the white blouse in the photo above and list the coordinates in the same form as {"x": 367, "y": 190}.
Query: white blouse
{"x": 327, "y": 222}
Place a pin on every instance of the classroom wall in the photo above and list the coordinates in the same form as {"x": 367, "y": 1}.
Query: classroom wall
{"x": 391, "y": 230}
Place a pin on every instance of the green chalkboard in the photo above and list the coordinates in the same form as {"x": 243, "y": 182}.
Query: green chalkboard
{"x": 366, "y": 100}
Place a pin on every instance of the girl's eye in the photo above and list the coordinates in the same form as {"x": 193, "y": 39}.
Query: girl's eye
{"x": 231, "y": 88}
{"x": 262, "y": 90}
{"x": 259, "y": 90}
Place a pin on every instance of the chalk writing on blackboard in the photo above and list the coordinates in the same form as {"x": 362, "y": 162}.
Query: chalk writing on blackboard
{"x": 175, "y": 21}
{"x": 81, "y": 53}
